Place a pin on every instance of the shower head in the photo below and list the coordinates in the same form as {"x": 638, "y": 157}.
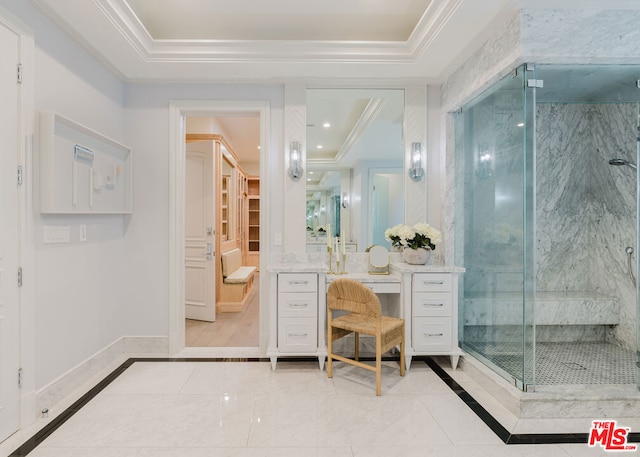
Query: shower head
{"x": 619, "y": 162}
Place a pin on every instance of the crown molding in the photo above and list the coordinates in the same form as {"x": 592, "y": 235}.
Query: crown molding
{"x": 129, "y": 26}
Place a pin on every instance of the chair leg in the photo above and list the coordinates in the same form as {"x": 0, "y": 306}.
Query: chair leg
{"x": 402, "y": 367}
{"x": 357, "y": 345}
{"x": 378, "y": 364}
{"x": 329, "y": 352}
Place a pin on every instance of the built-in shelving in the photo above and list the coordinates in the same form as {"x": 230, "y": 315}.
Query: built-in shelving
{"x": 224, "y": 208}
{"x": 253, "y": 221}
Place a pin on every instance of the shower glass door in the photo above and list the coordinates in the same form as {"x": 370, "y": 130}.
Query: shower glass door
{"x": 495, "y": 174}
{"x": 637, "y": 248}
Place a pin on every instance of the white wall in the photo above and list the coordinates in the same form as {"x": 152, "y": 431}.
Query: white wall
{"x": 147, "y": 237}
{"x": 78, "y": 287}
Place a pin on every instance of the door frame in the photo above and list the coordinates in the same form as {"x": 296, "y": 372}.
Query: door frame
{"x": 178, "y": 112}
{"x": 25, "y": 222}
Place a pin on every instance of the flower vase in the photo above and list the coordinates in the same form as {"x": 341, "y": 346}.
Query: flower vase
{"x": 418, "y": 256}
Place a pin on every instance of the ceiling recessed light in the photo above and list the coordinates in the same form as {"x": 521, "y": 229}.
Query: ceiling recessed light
{"x": 259, "y": 147}
{"x": 311, "y": 172}
{"x": 319, "y": 146}
{"x": 521, "y": 124}
{"x": 326, "y": 125}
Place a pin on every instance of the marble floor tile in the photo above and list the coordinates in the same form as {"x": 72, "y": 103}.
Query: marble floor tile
{"x": 246, "y": 409}
{"x": 257, "y": 378}
{"x": 43, "y": 451}
{"x": 248, "y": 452}
{"x": 343, "y": 420}
{"x": 152, "y": 378}
{"x": 462, "y": 426}
{"x": 354, "y": 380}
{"x": 158, "y": 420}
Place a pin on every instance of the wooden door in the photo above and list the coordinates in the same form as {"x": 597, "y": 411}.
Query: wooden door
{"x": 9, "y": 323}
{"x": 200, "y": 255}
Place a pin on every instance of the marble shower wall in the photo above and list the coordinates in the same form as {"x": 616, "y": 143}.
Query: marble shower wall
{"x": 586, "y": 207}
{"x": 613, "y": 211}
{"x": 563, "y": 145}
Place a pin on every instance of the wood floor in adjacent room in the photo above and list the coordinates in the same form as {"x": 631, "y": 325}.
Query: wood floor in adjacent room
{"x": 229, "y": 329}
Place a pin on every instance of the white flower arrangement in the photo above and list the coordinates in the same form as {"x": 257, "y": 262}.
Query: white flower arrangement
{"x": 420, "y": 235}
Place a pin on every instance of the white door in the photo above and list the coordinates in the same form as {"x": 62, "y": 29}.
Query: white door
{"x": 200, "y": 278}
{"x": 9, "y": 338}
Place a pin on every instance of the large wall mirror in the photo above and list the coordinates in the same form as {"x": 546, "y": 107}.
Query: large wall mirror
{"x": 355, "y": 163}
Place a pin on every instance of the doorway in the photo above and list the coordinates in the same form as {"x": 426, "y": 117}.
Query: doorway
{"x": 222, "y": 222}
{"x": 179, "y": 112}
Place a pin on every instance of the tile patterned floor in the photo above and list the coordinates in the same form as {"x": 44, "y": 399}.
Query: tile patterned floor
{"x": 567, "y": 363}
{"x": 244, "y": 409}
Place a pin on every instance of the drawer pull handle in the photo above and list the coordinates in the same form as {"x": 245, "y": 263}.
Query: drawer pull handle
{"x": 434, "y": 334}
{"x": 434, "y": 283}
{"x": 298, "y": 283}
{"x": 298, "y": 335}
{"x": 433, "y": 305}
{"x": 299, "y": 305}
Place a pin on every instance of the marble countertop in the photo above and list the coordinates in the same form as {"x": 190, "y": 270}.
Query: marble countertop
{"x": 366, "y": 277}
{"x": 403, "y": 267}
{"x": 357, "y": 263}
{"x": 297, "y": 267}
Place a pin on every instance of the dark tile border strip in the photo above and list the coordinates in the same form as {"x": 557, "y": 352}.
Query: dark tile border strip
{"x": 64, "y": 416}
{"x": 483, "y": 414}
{"x": 502, "y": 433}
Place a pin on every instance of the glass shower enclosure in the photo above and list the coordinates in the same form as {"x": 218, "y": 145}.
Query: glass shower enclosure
{"x": 546, "y": 226}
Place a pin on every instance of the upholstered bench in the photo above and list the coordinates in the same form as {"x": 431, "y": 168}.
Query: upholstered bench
{"x": 237, "y": 282}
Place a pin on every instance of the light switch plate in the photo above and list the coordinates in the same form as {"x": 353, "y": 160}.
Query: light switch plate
{"x": 83, "y": 232}
{"x": 54, "y": 234}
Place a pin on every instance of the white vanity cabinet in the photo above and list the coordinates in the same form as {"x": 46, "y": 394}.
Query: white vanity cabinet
{"x": 434, "y": 315}
{"x": 297, "y": 312}
{"x": 296, "y": 319}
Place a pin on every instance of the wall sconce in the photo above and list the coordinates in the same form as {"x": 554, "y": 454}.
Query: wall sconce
{"x": 345, "y": 200}
{"x": 416, "y": 172}
{"x": 295, "y": 170}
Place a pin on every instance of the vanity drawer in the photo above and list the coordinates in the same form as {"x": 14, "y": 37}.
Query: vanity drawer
{"x": 432, "y": 334}
{"x": 432, "y": 282}
{"x": 303, "y": 304}
{"x": 297, "y": 282}
{"x": 431, "y": 304}
{"x": 384, "y": 287}
{"x": 297, "y": 335}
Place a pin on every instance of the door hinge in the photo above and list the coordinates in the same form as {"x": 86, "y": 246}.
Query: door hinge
{"x": 20, "y": 377}
{"x": 538, "y": 83}
{"x": 19, "y": 74}
{"x": 20, "y": 277}
{"x": 20, "y": 174}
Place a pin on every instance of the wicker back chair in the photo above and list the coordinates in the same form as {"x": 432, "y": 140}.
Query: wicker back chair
{"x": 365, "y": 316}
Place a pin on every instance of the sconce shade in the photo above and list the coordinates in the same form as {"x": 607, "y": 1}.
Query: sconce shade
{"x": 416, "y": 171}
{"x": 295, "y": 170}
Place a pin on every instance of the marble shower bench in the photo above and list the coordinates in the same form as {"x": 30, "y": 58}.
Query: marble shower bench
{"x": 552, "y": 308}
